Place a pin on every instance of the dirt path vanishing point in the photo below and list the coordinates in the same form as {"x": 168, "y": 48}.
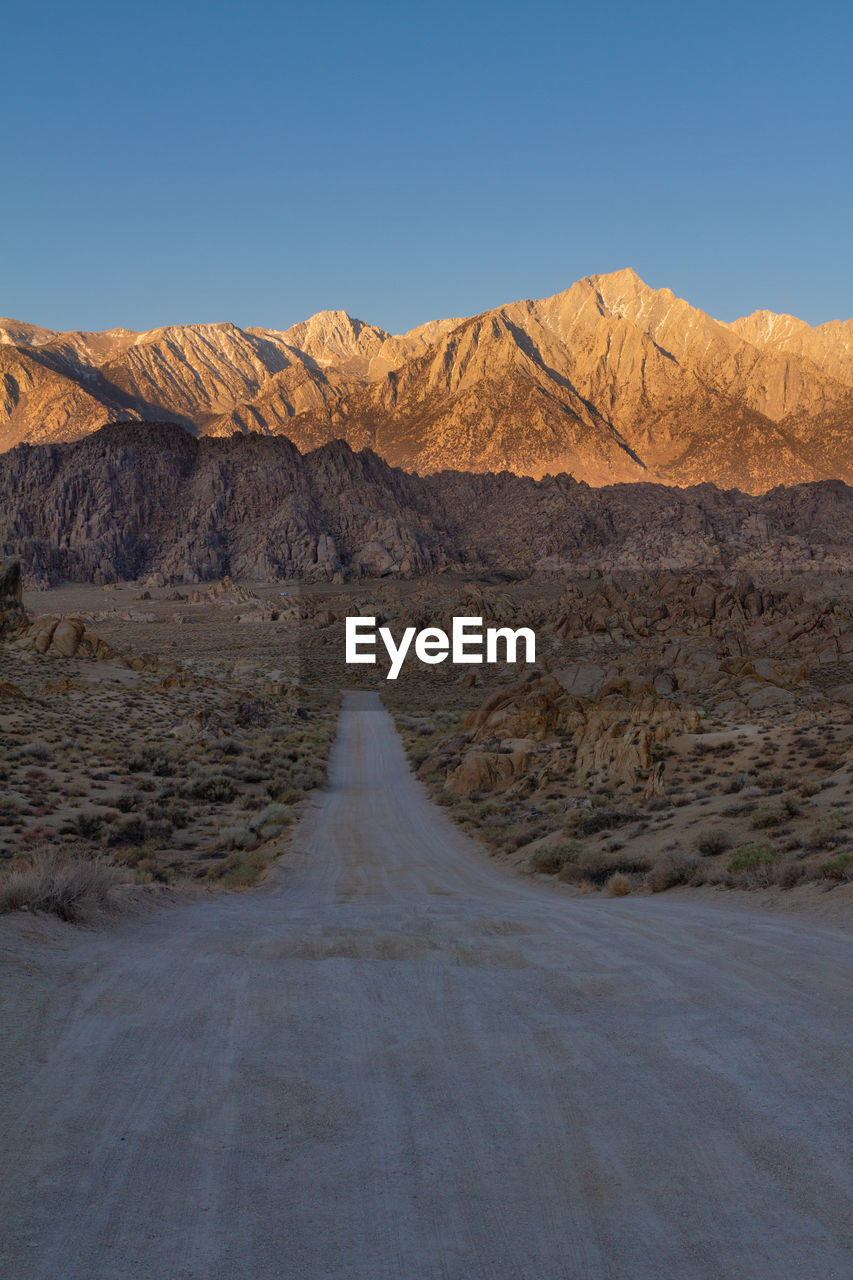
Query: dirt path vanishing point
{"x": 395, "y": 1061}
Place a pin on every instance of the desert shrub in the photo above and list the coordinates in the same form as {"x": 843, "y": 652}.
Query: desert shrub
{"x": 173, "y": 812}
{"x": 146, "y": 869}
{"x": 37, "y": 751}
{"x": 735, "y": 783}
{"x": 792, "y": 804}
{"x": 768, "y": 815}
{"x": 604, "y": 819}
{"x": 838, "y": 868}
{"x": 237, "y": 835}
{"x": 670, "y": 870}
{"x": 618, "y": 886}
{"x": 66, "y": 885}
{"x": 596, "y": 866}
{"x": 138, "y": 830}
{"x": 548, "y": 859}
{"x": 88, "y": 826}
{"x": 214, "y": 789}
{"x": 308, "y": 779}
{"x": 281, "y": 790}
{"x": 135, "y": 855}
{"x": 151, "y": 760}
{"x": 756, "y": 865}
{"x": 827, "y": 831}
{"x": 239, "y": 870}
{"x": 788, "y": 873}
{"x": 271, "y": 819}
{"x": 127, "y": 801}
{"x": 711, "y": 841}
{"x": 750, "y": 857}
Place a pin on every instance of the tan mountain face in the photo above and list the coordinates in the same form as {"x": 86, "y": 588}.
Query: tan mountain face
{"x": 611, "y": 381}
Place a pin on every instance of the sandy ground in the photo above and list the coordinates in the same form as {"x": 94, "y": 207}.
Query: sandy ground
{"x": 397, "y": 1061}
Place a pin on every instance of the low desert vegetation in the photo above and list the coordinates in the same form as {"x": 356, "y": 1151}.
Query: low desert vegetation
{"x": 182, "y": 774}
{"x": 71, "y": 885}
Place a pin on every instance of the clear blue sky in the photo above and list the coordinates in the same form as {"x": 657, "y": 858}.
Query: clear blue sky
{"x": 257, "y": 162}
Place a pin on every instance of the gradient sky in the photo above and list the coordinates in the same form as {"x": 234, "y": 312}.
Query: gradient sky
{"x": 258, "y": 162}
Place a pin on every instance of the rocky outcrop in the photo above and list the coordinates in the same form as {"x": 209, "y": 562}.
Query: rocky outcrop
{"x": 12, "y": 613}
{"x": 63, "y": 638}
{"x": 604, "y": 737}
{"x": 149, "y": 501}
{"x": 736, "y": 618}
{"x": 610, "y": 380}
{"x": 486, "y": 771}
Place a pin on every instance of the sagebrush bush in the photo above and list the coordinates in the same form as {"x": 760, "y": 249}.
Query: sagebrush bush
{"x": 828, "y": 831}
{"x": 136, "y": 830}
{"x": 237, "y": 836}
{"x": 768, "y": 815}
{"x": 749, "y": 857}
{"x": 671, "y": 870}
{"x": 89, "y": 826}
{"x": 596, "y": 866}
{"x": 838, "y": 868}
{"x": 550, "y": 858}
{"x": 712, "y": 840}
{"x": 604, "y": 820}
{"x": 271, "y": 819}
{"x": 214, "y": 790}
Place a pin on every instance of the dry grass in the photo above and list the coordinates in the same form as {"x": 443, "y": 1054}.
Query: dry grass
{"x": 70, "y": 886}
{"x": 618, "y": 886}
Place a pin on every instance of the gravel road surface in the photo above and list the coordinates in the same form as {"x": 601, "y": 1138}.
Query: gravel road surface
{"x": 397, "y": 1061}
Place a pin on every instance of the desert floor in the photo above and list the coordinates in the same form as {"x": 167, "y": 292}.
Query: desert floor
{"x": 396, "y": 1058}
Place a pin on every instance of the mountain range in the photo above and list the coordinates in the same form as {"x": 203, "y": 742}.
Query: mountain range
{"x": 610, "y": 381}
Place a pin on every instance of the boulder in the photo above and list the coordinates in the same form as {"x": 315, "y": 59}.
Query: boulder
{"x": 771, "y": 696}
{"x": 63, "y": 638}
{"x": 486, "y": 771}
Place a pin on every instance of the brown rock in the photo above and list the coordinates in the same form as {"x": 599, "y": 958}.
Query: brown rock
{"x": 486, "y": 771}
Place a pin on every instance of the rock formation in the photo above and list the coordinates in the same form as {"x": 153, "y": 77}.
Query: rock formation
{"x": 12, "y": 613}
{"x": 145, "y": 500}
{"x": 63, "y": 638}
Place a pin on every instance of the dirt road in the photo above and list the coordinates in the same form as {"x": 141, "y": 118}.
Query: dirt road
{"x": 395, "y": 1061}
